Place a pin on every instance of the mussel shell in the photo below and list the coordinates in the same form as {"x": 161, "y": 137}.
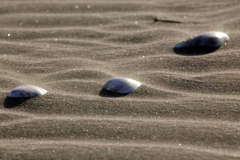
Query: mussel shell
{"x": 121, "y": 85}
{"x": 27, "y": 91}
{"x": 209, "y": 39}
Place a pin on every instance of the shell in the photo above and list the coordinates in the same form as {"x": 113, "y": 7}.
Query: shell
{"x": 27, "y": 91}
{"x": 209, "y": 39}
{"x": 121, "y": 85}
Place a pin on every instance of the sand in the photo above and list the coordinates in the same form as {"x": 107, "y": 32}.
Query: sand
{"x": 188, "y": 106}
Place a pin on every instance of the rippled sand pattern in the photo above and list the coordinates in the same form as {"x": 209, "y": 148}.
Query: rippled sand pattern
{"x": 188, "y": 106}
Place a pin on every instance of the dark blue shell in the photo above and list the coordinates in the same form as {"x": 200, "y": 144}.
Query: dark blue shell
{"x": 209, "y": 39}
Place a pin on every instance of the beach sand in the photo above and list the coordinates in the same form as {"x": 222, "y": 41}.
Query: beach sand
{"x": 188, "y": 106}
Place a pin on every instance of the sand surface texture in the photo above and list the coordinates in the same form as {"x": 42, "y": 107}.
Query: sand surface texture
{"x": 187, "y": 107}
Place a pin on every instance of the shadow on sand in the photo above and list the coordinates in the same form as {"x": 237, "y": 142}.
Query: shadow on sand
{"x": 194, "y": 51}
{"x": 13, "y": 102}
{"x": 106, "y": 93}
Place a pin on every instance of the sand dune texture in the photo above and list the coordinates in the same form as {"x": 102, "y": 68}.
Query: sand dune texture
{"x": 188, "y": 106}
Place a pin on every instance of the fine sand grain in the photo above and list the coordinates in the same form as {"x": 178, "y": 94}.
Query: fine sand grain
{"x": 188, "y": 106}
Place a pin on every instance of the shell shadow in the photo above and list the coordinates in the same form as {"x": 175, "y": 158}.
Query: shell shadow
{"x": 106, "y": 93}
{"x": 13, "y": 102}
{"x": 194, "y": 51}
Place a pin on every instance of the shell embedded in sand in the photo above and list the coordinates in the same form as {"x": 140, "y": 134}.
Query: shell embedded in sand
{"x": 209, "y": 39}
{"x": 121, "y": 85}
{"x": 27, "y": 91}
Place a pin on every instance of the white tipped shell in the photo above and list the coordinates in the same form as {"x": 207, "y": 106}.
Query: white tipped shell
{"x": 121, "y": 85}
{"x": 27, "y": 91}
{"x": 209, "y": 39}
